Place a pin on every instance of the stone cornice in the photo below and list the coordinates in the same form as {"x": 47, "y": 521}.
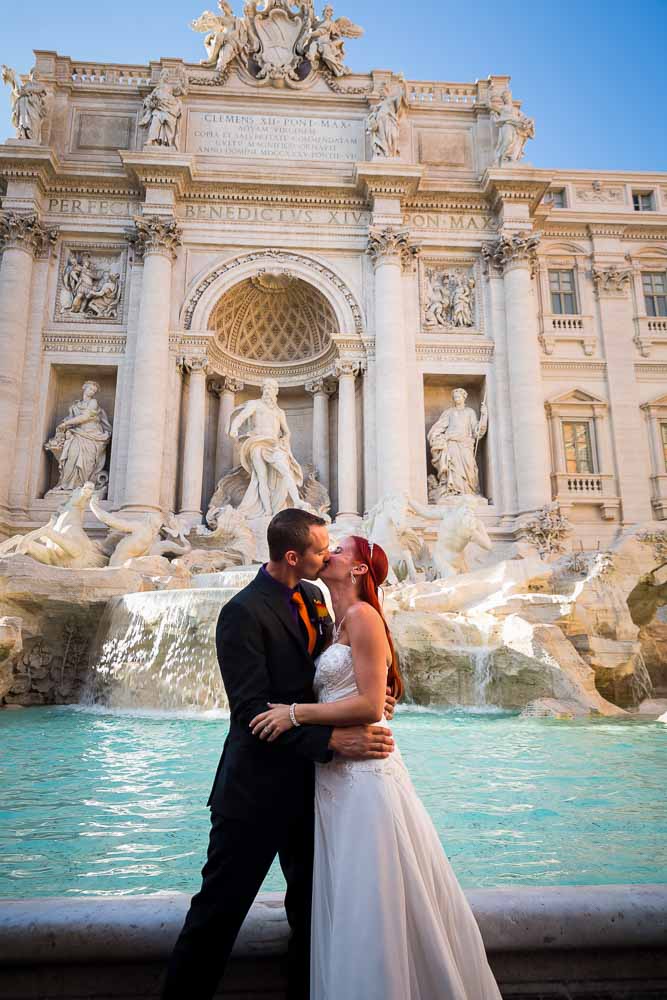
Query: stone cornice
{"x": 387, "y": 177}
{"x": 155, "y": 234}
{"x": 271, "y": 194}
{"x": 23, "y": 160}
{"x": 477, "y": 350}
{"x": 25, "y": 232}
{"x": 153, "y": 168}
{"x": 500, "y": 184}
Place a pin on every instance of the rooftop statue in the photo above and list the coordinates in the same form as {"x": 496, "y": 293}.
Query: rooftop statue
{"x": 279, "y": 42}
{"x": 383, "y": 123}
{"x": 162, "y": 111}
{"x": 28, "y": 104}
{"x": 514, "y": 129}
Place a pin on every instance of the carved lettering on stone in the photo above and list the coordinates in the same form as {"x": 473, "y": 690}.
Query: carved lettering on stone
{"x": 90, "y": 286}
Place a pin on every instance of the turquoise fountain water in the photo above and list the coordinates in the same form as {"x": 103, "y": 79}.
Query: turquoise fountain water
{"x": 101, "y": 802}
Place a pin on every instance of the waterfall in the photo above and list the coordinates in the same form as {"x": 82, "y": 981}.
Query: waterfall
{"x": 482, "y": 660}
{"x": 157, "y": 649}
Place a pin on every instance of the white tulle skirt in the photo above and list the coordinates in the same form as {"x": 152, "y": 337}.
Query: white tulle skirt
{"x": 390, "y": 920}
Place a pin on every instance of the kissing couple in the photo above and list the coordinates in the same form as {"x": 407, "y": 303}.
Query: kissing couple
{"x": 310, "y": 772}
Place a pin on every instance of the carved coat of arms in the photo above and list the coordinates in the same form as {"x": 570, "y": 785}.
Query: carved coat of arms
{"x": 276, "y": 41}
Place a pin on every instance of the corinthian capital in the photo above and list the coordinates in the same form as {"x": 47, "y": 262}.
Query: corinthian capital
{"x": 319, "y": 385}
{"x": 346, "y": 366}
{"x": 391, "y": 242}
{"x": 611, "y": 280}
{"x": 26, "y": 233}
{"x": 195, "y": 365}
{"x": 511, "y": 250}
{"x": 155, "y": 234}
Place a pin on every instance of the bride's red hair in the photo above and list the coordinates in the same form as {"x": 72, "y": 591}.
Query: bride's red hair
{"x": 378, "y": 567}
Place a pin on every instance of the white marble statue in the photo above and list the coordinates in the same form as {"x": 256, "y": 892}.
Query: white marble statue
{"x": 161, "y": 112}
{"x": 386, "y": 524}
{"x": 80, "y": 444}
{"x": 453, "y": 439}
{"x": 141, "y": 534}
{"x": 63, "y": 541}
{"x": 229, "y": 542}
{"x": 28, "y": 104}
{"x": 459, "y": 526}
{"x": 383, "y": 123}
{"x": 266, "y": 455}
{"x": 325, "y": 41}
{"x": 514, "y": 130}
{"x": 226, "y": 36}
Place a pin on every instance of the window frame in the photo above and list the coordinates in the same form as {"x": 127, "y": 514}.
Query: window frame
{"x": 637, "y": 197}
{"x": 588, "y": 423}
{"x": 654, "y": 300}
{"x": 560, "y": 292}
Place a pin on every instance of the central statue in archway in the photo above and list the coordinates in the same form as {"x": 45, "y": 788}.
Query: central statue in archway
{"x": 266, "y": 455}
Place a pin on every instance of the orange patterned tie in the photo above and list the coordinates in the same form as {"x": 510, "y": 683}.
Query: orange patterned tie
{"x": 303, "y": 615}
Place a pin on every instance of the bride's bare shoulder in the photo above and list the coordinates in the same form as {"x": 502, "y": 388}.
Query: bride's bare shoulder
{"x": 362, "y": 615}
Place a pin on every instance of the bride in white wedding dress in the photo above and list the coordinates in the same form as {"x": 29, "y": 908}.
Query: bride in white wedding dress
{"x": 390, "y": 920}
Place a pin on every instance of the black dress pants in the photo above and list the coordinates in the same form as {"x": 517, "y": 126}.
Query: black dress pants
{"x": 240, "y": 853}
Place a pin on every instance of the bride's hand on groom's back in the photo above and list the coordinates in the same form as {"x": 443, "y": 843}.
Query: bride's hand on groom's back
{"x": 362, "y": 742}
{"x": 389, "y": 705}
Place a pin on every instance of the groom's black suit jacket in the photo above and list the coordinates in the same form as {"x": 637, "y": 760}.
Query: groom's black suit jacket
{"x": 264, "y": 658}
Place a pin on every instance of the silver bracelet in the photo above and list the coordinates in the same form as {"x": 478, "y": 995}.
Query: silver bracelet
{"x": 292, "y": 715}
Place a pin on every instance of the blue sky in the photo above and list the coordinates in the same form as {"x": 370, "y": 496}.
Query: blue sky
{"x": 593, "y": 75}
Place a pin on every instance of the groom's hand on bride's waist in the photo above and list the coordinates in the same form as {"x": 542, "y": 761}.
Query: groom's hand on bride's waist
{"x": 362, "y": 742}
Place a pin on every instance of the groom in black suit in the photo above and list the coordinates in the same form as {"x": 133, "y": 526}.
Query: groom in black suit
{"x": 262, "y": 798}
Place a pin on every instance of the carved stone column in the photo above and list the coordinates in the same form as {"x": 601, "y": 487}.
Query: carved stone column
{"x": 23, "y": 238}
{"x": 631, "y": 448}
{"x": 346, "y": 372}
{"x": 192, "y": 463}
{"x": 321, "y": 390}
{"x": 224, "y": 446}
{"x": 157, "y": 240}
{"x": 514, "y": 256}
{"x": 391, "y": 253}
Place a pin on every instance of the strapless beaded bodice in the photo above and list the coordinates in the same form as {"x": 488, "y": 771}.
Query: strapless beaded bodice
{"x": 334, "y": 674}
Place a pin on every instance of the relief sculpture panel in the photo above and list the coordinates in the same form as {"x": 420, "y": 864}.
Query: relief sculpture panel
{"x": 449, "y": 297}
{"x": 90, "y": 284}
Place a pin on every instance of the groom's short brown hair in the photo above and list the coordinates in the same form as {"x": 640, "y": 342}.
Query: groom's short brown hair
{"x": 289, "y": 531}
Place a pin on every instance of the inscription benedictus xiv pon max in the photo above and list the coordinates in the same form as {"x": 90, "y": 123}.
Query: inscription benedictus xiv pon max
{"x": 275, "y": 136}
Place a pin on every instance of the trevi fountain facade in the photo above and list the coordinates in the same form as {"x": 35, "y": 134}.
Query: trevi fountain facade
{"x": 267, "y": 281}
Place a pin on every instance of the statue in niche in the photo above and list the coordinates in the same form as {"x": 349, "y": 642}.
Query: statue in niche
{"x": 514, "y": 130}
{"x": 227, "y": 36}
{"x": 450, "y": 299}
{"x": 453, "y": 440}
{"x": 266, "y": 455}
{"x": 28, "y": 104}
{"x": 383, "y": 123}
{"x": 325, "y": 40}
{"x": 161, "y": 112}
{"x": 88, "y": 291}
{"x": 80, "y": 445}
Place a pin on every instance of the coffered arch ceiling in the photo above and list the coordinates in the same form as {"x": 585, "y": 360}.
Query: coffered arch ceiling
{"x": 273, "y": 317}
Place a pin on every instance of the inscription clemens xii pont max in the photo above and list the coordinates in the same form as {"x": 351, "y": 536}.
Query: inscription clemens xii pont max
{"x": 275, "y": 136}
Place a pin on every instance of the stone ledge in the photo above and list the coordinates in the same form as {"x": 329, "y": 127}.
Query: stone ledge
{"x": 594, "y": 942}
